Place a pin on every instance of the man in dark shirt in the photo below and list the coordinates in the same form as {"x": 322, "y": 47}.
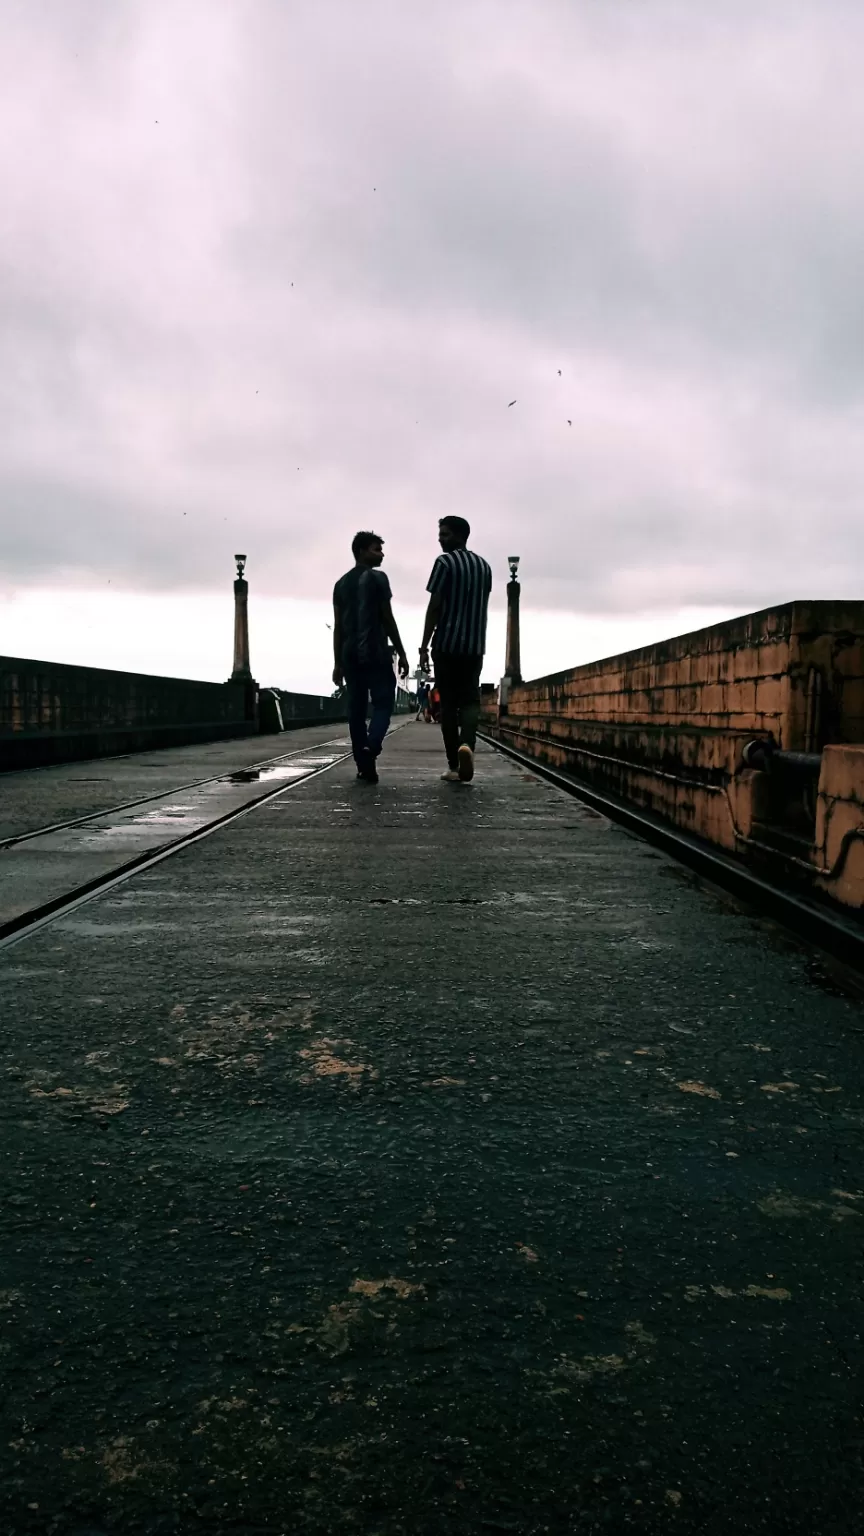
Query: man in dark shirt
{"x": 456, "y": 624}
{"x": 363, "y": 630}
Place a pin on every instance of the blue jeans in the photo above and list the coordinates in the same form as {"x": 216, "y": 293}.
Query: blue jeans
{"x": 363, "y": 683}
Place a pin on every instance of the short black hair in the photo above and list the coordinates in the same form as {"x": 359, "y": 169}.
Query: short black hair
{"x": 362, "y": 541}
{"x": 461, "y": 527}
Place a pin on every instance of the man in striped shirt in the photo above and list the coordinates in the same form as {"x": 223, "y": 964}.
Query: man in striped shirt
{"x": 459, "y": 590}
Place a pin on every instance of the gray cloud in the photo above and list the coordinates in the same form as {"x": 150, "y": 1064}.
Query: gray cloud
{"x": 272, "y": 273}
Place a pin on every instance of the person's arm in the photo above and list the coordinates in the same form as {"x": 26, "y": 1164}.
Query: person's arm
{"x": 338, "y": 677}
{"x": 393, "y": 636}
{"x": 432, "y": 612}
{"x": 436, "y": 588}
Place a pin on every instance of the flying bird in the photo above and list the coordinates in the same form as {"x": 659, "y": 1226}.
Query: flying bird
{"x": 559, "y": 373}
{"x": 569, "y": 422}
{"x": 511, "y": 402}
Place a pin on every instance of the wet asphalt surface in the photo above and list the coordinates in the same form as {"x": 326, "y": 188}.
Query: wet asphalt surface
{"x": 427, "y": 1158}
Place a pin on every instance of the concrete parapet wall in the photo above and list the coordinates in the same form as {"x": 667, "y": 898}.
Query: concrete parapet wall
{"x": 746, "y": 676}
{"x": 51, "y": 712}
{"x": 488, "y": 706}
{"x": 839, "y": 840}
{"x": 678, "y": 776}
{"x": 663, "y": 728}
{"x": 301, "y": 709}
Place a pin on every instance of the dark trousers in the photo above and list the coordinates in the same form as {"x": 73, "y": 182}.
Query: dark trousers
{"x": 458, "y": 680}
{"x": 363, "y": 683}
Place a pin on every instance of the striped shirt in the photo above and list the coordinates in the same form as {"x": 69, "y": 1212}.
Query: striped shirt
{"x": 464, "y": 581}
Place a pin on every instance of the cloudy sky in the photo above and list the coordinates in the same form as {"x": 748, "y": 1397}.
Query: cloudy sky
{"x": 271, "y": 270}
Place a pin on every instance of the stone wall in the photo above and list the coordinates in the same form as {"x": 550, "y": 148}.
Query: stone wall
{"x": 281, "y": 710}
{"x": 663, "y": 727}
{"x": 298, "y": 709}
{"x": 51, "y": 712}
{"x": 839, "y": 839}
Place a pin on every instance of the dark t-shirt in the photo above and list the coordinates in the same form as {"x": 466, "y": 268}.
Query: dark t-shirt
{"x": 359, "y": 597}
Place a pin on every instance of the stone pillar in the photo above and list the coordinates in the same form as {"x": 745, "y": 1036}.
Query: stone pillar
{"x": 513, "y": 660}
{"x": 242, "y": 672}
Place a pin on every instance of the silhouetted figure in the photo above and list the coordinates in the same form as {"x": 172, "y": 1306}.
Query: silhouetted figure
{"x": 459, "y": 585}
{"x": 363, "y": 630}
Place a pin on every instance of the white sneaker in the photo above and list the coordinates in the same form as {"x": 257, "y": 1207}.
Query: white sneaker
{"x": 466, "y": 763}
{"x": 451, "y": 776}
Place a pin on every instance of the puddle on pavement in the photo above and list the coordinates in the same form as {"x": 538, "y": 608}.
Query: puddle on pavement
{"x": 92, "y": 929}
{"x": 295, "y": 769}
{"x": 182, "y": 817}
{"x": 62, "y": 857}
{"x": 179, "y": 819}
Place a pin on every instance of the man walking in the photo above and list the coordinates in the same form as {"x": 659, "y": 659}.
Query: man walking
{"x": 363, "y": 629}
{"x": 456, "y": 625}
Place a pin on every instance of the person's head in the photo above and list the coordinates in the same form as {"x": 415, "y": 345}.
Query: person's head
{"x": 366, "y": 549}
{"x": 453, "y": 533}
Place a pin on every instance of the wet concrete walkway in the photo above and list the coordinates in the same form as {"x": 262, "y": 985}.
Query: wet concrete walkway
{"x": 39, "y": 797}
{"x": 39, "y": 868}
{"x": 428, "y": 1158}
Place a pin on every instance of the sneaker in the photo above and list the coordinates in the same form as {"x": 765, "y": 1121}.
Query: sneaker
{"x": 466, "y": 763}
{"x": 450, "y": 777}
{"x": 366, "y": 767}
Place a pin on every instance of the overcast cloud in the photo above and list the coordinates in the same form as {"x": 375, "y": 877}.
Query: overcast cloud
{"x": 272, "y": 271}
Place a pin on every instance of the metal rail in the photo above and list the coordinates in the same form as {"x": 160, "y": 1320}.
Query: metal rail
{"x": 828, "y": 931}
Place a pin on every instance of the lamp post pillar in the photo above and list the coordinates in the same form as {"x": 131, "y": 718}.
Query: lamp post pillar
{"x": 242, "y": 672}
{"x": 513, "y": 660}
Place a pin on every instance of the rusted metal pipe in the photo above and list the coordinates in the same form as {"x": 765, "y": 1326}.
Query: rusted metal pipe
{"x": 762, "y": 753}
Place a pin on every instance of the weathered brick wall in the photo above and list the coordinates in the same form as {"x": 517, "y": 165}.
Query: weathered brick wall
{"x": 488, "y": 706}
{"x": 51, "y": 712}
{"x": 748, "y": 675}
{"x": 664, "y": 726}
{"x": 839, "y": 840}
{"x": 301, "y": 709}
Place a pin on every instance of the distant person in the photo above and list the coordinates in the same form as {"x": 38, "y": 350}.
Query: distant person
{"x": 363, "y": 630}
{"x": 459, "y": 585}
{"x": 422, "y": 696}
